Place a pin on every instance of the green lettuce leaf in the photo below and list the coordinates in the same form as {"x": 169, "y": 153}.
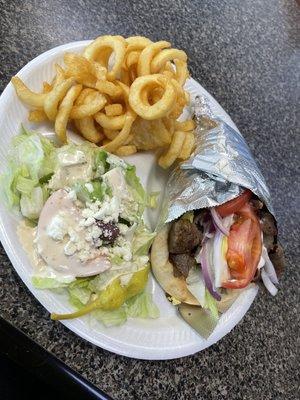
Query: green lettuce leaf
{"x": 136, "y": 187}
{"x": 84, "y": 195}
{"x": 139, "y": 306}
{"x": 142, "y": 241}
{"x": 31, "y": 158}
{"x": 211, "y": 304}
{"x": 111, "y": 318}
{"x": 100, "y": 164}
{"x": 31, "y": 205}
{"x": 142, "y": 306}
{"x": 116, "y": 260}
{"x": 41, "y": 282}
{"x": 79, "y": 292}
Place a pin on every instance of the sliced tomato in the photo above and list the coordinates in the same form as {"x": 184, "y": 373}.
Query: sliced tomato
{"x": 232, "y": 206}
{"x": 244, "y": 248}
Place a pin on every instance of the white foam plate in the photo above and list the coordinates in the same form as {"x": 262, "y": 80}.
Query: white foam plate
{"x": 165, "y": 338}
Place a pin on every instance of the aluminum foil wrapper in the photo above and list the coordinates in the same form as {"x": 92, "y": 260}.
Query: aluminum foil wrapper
{"x": 218, "y": 170}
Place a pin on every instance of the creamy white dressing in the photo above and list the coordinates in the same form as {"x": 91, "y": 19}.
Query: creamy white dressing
{"x": 116, "y": 180}
{"x": 67, "y": 176}
{"x": 27, "y": 235}
{"x": 86, "y": 260}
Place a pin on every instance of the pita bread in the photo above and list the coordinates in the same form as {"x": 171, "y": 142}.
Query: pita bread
{"x": 163, "y": 269}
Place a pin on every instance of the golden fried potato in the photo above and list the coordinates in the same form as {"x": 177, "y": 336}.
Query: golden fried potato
{"x": 182, "y": 72}
{"x": 47, "y": 87}
{"x": 159, "y": 109}
{"x": 137, "y": 43}
{"x": 132, "y": 58}
{"x": 124, "y": 93}
{"x": 81, "y": 69}
{"x": 168, "y": 158}
{"x": 188, "y": 146}
{"x": 159, "y": 61}
{"x": 109, "y": 88}
{"x": 32, "y": 99}
{"x": 64, "y": 110}
{"x": 169, "y": 123}
{"x": 122, "y": 136}
{"x": 60, "y": 75}
{"x": 55, "y": 96}
{"x": 125, "y": 78}
{"x": 126, "y": 150}
{"x": 96, "y": 103}
{"x": 113, "y": 110}
{"x": 86, "y": 126}
{"x": 149, "y": 135}
{"x": 146, "y": 56}
{"x": 113, "y": 123}
{"x": 185, "y": 126}
{"x": 117, "y": 45}
{"x": 110, "y": 134}
{"x": 37, "y": 116}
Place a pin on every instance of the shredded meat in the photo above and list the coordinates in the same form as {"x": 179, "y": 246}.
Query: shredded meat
{"x": 257, "y": 204}
{"x": 269, "y": 242}
{"x": 183, "y": 237}
{"x": 277, "y": 258}
{"x": 268, "y": 224}
{"x": 182, "y": 263}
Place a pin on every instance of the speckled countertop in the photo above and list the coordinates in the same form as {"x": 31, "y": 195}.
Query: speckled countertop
{"x": 247, "y": 55}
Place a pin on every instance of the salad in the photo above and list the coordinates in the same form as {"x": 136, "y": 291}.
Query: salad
{"x": 82, "y": 226}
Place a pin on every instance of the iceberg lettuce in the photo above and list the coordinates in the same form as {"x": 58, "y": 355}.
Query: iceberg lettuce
{"x": 139, "y": 306}
{"x": 45, "y": 282}
{"x": 111, "y": 318}
{"x": 136, "y": 187}
{"x": 31, "y": 159}
{"x": 142, "y": 241}
{"x": 79, "y": 292}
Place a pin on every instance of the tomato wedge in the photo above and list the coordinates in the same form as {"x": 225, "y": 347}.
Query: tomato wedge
{"x": 244, "y": 248}
{"x": 232, "y": 206}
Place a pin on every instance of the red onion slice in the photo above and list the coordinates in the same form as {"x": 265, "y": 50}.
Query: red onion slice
{"x": 218, "y": 222}
{"x": 206, "y": 272}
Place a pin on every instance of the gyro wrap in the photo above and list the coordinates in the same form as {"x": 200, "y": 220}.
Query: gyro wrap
{"x": 217, "y": 171}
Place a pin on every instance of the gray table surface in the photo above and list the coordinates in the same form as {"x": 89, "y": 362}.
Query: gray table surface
{"x": 246, "y": 54}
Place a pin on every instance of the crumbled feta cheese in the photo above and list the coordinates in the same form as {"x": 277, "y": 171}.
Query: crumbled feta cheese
{"x": 87, "y": 213}
{"x": 98, "y": 243}
{"x": 58, "y": 227}
{"x": 70, "y": 248}
{"x": 89, "y": 221}
{"x": 123, "y": 251}
{"x": 95, "y": 232}
{"x": 109, "y": 210}
{"x": 89, "y": 187}
{"x": 88, "y": 237}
